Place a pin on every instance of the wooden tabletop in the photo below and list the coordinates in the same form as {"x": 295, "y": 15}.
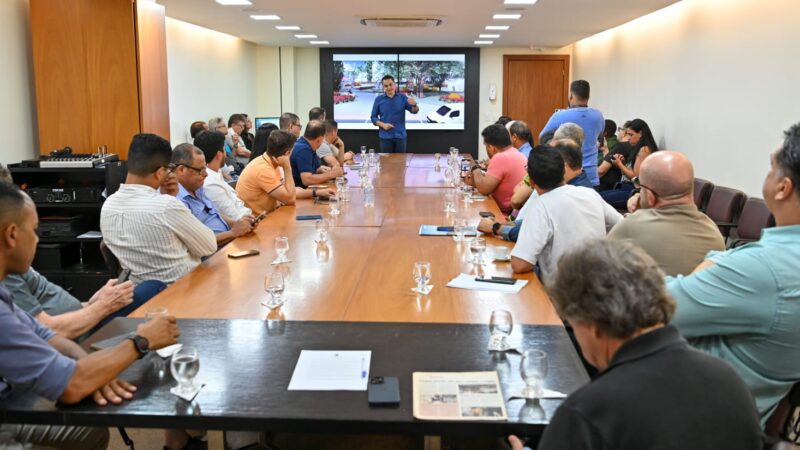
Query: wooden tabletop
{"x": 364, "y": 273}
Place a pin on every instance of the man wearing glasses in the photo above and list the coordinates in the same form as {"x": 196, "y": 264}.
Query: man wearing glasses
{"x": 189, "y": 164}
{"x": 153, "y": 235}
{"x": 664, "y": 207}
{"x": 291, "y": 122}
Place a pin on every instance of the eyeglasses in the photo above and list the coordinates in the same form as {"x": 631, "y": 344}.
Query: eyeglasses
{"x": 199, "y": 171}
{"x": 298, "y": 125}
{"x": 638, "y": 185}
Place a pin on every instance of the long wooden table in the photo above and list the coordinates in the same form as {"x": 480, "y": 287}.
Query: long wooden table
{"x": 365, "y": 271}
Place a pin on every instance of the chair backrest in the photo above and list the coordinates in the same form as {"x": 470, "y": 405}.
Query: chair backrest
{"x": 702, "y": 191}
{"x": 724, "y": 207}
{"x": 755, "y": 217}
{"x": 111, "y": 260}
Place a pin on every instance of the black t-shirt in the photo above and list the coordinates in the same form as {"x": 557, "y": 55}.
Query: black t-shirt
{"x": 613, "y": 175}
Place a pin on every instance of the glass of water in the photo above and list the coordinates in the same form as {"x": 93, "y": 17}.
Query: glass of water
{"x": 152, "y": 313}
{"x": 274, "y": 286}
{"x": 459, "y": 229}
{"x": 322, "y": 230}
{"x": 477, "y": 247}
{"x": 333, "y": 203}
{"x": 533, "y": 370}
{"x": 281, "y": 248}
{"x": 500, "y": 326}
{"x": 436, "y": 158}
{"x": 449, "y": 201}
{"x": 422, "y": 275}
{"x": 363, "y": 153}
{"x": 340, "y": 182}
{"x": 184, "y": 366}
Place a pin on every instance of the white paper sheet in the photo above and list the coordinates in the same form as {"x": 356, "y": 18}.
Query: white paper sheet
{"x": 467, "y": 281}
{"x": 331, "y": 371}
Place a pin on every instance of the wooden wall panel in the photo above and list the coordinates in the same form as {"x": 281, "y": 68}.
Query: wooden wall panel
{"x": 152, "y": 44}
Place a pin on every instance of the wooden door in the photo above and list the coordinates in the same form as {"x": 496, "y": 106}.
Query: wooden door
{"x": 534, "y": 86}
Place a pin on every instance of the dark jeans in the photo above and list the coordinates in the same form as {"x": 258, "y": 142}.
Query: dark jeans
{"x": 141, "y": 294}
{"x": 618, "y": 198}
{"x": 393, "y": 145}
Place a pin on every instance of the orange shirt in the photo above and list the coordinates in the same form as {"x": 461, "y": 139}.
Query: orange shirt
{"x": 259, "y": 178}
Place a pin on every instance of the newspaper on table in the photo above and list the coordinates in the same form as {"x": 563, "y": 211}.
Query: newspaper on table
{"x": 458, "y": 396}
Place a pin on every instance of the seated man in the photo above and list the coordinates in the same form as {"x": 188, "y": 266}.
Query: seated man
{"x": 35, "y": 359}
{"x": 506, "y": 167}
{"x": 264, "y": 184}
{"x": 233, "y": 139}
{"x": 520, "y": 136}
{"x": 559, "y": 217}
{"x": 653, "y": 390}
{"x": 307, "y": 169}
{"x": 189, "y": 164}
{"x": 743, "y": 305}
{"x": 197, "y": 128}
{"x": 212, "y": 144}
{"x": 667, "y": 224}
{"x": 332, "y": 151}
{"x": 291, "y": 122}
{"x": 154, "y": 236}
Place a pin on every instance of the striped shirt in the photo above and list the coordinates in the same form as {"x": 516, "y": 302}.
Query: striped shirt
{"x": 224, "y": 197}
{"x": 153, "y": 235}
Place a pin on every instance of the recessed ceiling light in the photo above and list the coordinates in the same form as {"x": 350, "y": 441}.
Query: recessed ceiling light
{"x": 484, "y": 42}
{"x": 506, "y": 16}
{"x": 305, "y": 36}
{"x": 520, "y": 2}
{"x": 488, "y": 36}
{"x": 288, "y": 27}
{"x": 234, "y": 2}
{"x": 264, "y": 17}
{"x": 497, "y": 27}
{"x": 319, "y": 42}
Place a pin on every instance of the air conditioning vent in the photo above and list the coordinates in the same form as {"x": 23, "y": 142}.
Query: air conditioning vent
{"x": 402, "y": 22}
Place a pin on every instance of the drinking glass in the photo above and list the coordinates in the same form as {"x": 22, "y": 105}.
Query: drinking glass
{"x": 184, "y": 366}
{"x": 274, "y": 285}
{"x": 477, "y": 247}
{"x": 459, "y": 228}
{"x": 422, "y": 275}
{"x": 340, "y": 182}
{"x": 466, "y": 193}
{"x": 436, "y": 158}
{"x": 363, "y": 153}
{"x": 333, "y": 202}
{"x": 500, "y": 326}
{"x": 453, "y": 152}
{"x": 152, "y": 313}
{"x": 322, "y": 230}
{"x": 533, "y": 369}
{"x": 281, "y": 248}
{"x": 449, "y": 201}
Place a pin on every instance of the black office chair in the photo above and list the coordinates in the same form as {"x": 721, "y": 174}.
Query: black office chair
{"x": 754, "y": 218}
{"x": 724, "y": 207}
{"x": 702, "y": 191}
{"x": 112, "y": 263}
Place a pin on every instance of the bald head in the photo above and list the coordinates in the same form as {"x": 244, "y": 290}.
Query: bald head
{"x": 669, "y": 174}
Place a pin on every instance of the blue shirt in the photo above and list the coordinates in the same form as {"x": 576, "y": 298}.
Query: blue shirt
{"x": 525, "y": 149}
{"x": 745, "y": 309}
{"x": 304, "y": 160}
{"x": 391, "y": 110}
{"x": 27, "y": 361}
{"x": 592, "y": 122}
{"x": 203, "y": 208}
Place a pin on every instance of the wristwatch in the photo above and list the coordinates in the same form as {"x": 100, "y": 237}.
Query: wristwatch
{"x": 141, "y": 344}
{"x": 313, "y": 192}
{"x": 496, "y": 227}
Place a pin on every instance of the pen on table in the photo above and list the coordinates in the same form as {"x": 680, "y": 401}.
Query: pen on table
{"x": 363, "y": 370}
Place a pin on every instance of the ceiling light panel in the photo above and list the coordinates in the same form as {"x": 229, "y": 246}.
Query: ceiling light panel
{"x": 234, "y": 2}
{"x": 497, "y": 27}
{"x": 506, "y": 16}
{"x": 305, "y": 36}
{"x": 488, "y": 36}
{"x": 264, "y": 17}
{"x": 520, "y": 2}
{"x": 484, "y": 42}
{"x": 319, "y": 42}
{"x": 288, "y": 27}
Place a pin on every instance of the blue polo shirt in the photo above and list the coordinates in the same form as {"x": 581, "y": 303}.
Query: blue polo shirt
{"x": 303, "y": 159}
{"x": 592, "y": 123}
{"x": 391, "y": 110}
{"x": 27, "y": 361}
{"x": 203, "y": 208}
{"x": 525, "y": 149}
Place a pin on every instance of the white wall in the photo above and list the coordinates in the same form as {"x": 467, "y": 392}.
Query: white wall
{"x": 210, "y": 74}
{"x": 715, "y": 79}
{"x": 306, "y": 76}
{"x": 492, "y": 72}
{"x": 17, "y": 93}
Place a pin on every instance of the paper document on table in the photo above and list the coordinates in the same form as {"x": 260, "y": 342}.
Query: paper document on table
{"x": 458, "y": 396}
{"x": 434, "y": 230}
{"x": 331, "y": 371}
{"x": 467, "y": 281}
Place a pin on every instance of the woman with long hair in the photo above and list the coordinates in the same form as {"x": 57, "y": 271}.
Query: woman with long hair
{"x": 643, "y": 145}
{"x": 260, "y": 141}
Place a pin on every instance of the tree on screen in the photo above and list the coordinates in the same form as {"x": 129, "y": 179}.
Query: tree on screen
{"x": 416, "y": 73}
{"x": 338, "y": 74}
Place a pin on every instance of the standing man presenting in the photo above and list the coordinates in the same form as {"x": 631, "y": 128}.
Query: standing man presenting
{"x": 589, "y": 119}
{"x": 389, "y": 113}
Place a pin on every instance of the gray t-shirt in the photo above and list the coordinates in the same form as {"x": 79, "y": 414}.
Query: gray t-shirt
{"x": 326, "y": 149}
{"x": 33, "y": 293}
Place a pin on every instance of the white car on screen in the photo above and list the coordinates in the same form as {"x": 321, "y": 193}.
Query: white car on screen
{"x": 450, "y": 113}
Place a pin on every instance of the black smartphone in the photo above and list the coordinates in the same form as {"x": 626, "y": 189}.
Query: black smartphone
{"x": 123, "y": 276}
{"x": 309, "y": 217}
{"x": 498, "y": 280}
{"x": 243, "y": 254}
{"x": 446, "y": 229}
{"x": 486, "y": 214}
{"x": 259, "y": 218}
{"x": 322, "y": 199}
{"x": 465, "y": 166}
{"x": 383, "y": 391}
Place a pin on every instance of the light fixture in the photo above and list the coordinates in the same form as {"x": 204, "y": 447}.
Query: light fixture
{"x": 305, "y": 36}
{"x": 319, "y": 42}
{"x": 287, "y": 27}
{"x": 234, "y": 2}
{"x": 264, "y": 17}
{"x": 488, "y": 36}
{"x": 520, "y": 2}
{"x": 484, "y": 42}
{"x": 506, "y": 16}
{"x": 497, "y": 27}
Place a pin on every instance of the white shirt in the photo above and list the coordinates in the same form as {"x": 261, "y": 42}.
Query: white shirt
{"x": 153, "y": 235}
{"x": 223, "y": 196}
{"x": 558, "y": 220}
{"x": 229, "y": 139}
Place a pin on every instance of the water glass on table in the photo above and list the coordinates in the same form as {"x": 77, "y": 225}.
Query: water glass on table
{"x": 459, "y": 229}
{"x": 500, "y": 326}
{"x": 533, "y": 369}
{"x": 322, "y": 227}
{"x": 185, "y": 365}
{"x": 274, "y": 286}
{"x": 333, "y": 203}
{"x": 477, "y": 247}
{"x": 281, "y": 248}
{"x": 422, "y": 275}
{"x": 449, "y": 201}
{"x": 152, "y": 313}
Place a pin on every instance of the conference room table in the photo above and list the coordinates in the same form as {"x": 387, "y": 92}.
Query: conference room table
{"x": 351, "y": 292}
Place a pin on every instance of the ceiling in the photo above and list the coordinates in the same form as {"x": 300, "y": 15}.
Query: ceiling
{"x": 548, "y": 23}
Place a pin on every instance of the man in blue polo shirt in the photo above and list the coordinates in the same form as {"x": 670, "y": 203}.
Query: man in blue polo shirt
{"x": 190, "y": 168}
{"x": 589, "y": 119}
{"x": 389, "y": 113}
{"x": 307, "y": 169}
